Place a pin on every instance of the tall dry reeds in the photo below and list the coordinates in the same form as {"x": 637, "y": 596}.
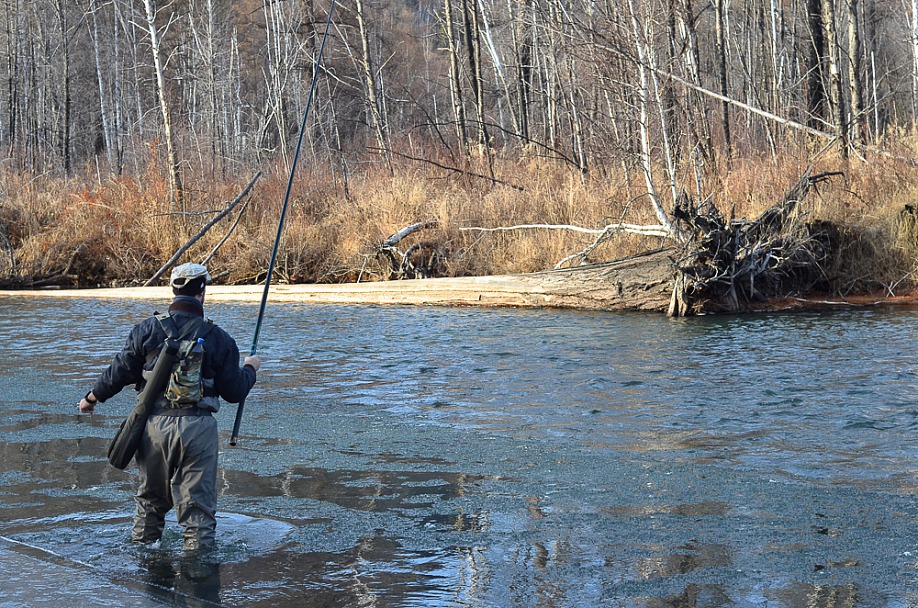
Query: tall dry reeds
{"x": 118, "y": 231}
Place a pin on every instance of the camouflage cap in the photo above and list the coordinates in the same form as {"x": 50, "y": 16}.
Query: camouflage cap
{"x": 186, "y": 273}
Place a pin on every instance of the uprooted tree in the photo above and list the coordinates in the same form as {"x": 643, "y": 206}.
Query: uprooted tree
{"x": 711, "y": 263}
{"x": 726, "y": 265}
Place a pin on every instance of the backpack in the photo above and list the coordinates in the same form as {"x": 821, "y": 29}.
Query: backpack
{"x": 185, "y": 387}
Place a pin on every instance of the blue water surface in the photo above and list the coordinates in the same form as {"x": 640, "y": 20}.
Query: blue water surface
{"x": 415, "y": 456}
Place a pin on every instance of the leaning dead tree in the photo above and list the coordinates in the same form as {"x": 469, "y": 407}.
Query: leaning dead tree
{"x": 232, "y": 205}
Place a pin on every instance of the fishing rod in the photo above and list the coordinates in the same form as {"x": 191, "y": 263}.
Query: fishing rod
{"x": 280, "y": 224}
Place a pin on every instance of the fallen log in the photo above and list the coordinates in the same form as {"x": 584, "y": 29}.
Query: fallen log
{"x": 642, "y": 282}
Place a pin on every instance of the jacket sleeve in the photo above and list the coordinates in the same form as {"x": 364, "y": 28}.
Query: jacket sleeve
{"x": 232, "y": 382}
{"x": 126, "y": 368}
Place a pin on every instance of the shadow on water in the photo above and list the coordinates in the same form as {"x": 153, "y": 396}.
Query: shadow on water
{"x": 475, "y": 459}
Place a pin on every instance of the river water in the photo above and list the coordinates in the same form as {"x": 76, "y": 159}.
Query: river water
{"x": 399, "y": 456}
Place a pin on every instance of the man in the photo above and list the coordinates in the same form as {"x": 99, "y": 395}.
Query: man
{"x": 177, "y": 456}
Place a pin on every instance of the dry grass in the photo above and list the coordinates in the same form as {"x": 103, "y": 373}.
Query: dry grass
{"x": 78, "y": 232}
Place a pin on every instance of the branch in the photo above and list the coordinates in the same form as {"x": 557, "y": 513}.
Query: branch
{"x": 232, "y": 228}
{"x": 454, "y": 169}
{"x": 203, "y": 231}
{"x": 184, "y": 213}
{"x": 407, "y": 231}
{"x": 655, "y": 230}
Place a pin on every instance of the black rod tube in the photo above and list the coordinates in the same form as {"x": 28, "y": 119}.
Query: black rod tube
{"x": 280, "y": 224}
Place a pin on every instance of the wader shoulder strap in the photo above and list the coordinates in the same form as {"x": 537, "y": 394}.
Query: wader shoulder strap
{"x": 167, "y": 322}
{"x": 204, "y": 328}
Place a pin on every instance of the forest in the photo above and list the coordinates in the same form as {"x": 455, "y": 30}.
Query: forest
{"x": 449, "y": 137}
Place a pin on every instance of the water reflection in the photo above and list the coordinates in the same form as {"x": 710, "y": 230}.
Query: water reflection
{"x": 705, "y": 556}
{"x": 191, "y": 581}
{"x": 378, "y": 490}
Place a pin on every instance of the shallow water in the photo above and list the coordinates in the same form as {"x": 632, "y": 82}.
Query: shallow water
{"x": 478, "y": 458}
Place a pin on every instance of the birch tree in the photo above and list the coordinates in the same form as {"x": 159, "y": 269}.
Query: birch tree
{"x": 836, "y": 98}
{"x": 854, "y": 73}
{"x": 374, "y": 117}
{"x": 455, "y": 76}
{"x": 175, "y": 176}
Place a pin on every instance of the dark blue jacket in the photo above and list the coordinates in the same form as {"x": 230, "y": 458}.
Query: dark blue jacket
{"x": 221, "y": 360}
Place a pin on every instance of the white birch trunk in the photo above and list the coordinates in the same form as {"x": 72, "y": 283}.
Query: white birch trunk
{"x": 103, "y": 101}
{"x": 643, "y": 93}
{"x": 175, "y": 178}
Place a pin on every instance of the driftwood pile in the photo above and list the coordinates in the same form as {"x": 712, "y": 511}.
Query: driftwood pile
{"x": 422, "y": 260}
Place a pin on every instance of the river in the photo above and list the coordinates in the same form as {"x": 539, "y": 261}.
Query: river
{"x": 461, "y": 457}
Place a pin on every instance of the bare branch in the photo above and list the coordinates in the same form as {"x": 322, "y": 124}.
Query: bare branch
{"x": 203, "y": 231}
{"x": 653, "y": 230}
{"x": 454, "y": 169}
{"x": 407, "y": 231}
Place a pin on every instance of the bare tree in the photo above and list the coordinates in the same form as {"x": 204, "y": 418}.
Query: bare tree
{"x": 644, "y": 97}
{"x": 817, "y": 104}
{"x": 721, "y": 43}
{"x": 836, "y": 98}
{"x": 175, "y": 176}
{"x": 108, "y": 133}
{"x": 472, "y": 33}
{"x": 374, "y": 117}
{"x": 455, "y": 77}
{"x": 854, "y": 73}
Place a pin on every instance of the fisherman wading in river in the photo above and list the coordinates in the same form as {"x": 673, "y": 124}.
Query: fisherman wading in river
{"x": 177, "y": 446}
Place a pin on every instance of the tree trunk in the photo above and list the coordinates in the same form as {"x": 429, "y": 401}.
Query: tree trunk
{"x": 721, "y": 43}
{"x": 915, "y": 54}
{"x": 455, "y": 77}
{"x": 644, "y": 94}
{"x": 175, "y": 177}
{"x": 836, "y": 99}
{"x": 854, "y": 74}
{"x": 67, "y": 101}
{"x": 816, "y": 90}
{"x": 692, "y": 60}
{"x": 473, "y": 47}
{"x": 373, "y": 115}
{"x": 104, "y": 109}
{"x": 524, "y": 65}
{"x": 13, "y": 74}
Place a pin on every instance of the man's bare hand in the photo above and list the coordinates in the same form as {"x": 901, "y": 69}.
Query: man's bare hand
{"x": 86, "y": 406}
{"x": 253, "y": 360}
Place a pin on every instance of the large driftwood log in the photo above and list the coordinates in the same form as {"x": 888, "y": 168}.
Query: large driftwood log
{"x": 641, "y": 282}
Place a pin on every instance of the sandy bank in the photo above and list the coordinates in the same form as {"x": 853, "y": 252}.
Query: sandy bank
{"x": 460, "y": 291}
{"x": 552, "y": 289}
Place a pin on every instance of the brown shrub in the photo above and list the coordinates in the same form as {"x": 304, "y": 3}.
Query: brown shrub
{"x": 80, "y": 232}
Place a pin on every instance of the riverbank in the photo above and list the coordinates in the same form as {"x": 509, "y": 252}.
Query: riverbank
{"x": 513, "y": 291}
